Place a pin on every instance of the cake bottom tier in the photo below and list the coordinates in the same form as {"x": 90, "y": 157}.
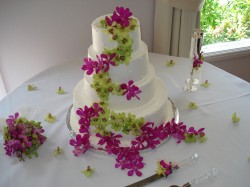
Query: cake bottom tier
{"x": 158, "y": 110}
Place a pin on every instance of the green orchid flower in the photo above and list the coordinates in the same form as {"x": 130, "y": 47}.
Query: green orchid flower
{"x": 88, "y": 172}
{"x": 60, "y": 91}
{"x": 58, "y": 151}
{"x": 170, "y": 63}
{"x": 31, "y": 87}
{"x": 50, "y": 118}
{"x": 235, "y": 118}
{"x": 205, "y": 84}
{"x": 192, "y": 105}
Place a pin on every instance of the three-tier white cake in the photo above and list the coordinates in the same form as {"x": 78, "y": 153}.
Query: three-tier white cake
{"x": 153, "y": 105}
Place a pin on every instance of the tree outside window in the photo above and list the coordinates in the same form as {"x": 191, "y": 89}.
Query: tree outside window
{"x": 225, "y": 20}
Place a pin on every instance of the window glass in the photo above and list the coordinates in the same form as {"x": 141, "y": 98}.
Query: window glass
{"x": 225, "y": 20}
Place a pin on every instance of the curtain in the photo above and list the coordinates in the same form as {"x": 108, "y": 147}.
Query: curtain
{"x": 2, "y": 87}
{"x": 174, "y": 23}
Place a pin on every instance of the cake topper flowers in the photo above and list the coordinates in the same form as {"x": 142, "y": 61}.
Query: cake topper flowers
{"x": 22, "y": 137}
{"x": 120, "y": 16}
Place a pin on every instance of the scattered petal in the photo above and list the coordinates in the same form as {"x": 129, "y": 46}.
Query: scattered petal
{"x": 58, "y": 151}
{"x": 170, "y": 63}
{"x": 193, "y": 105}
{"x": 205, "y": 84}
{"x": 88, "y": 172}
{"x": 50, "y": 118}
{"x": 31, "y": 87}
{"x": 235, "y": 118}
{"x": 60, "y": 91}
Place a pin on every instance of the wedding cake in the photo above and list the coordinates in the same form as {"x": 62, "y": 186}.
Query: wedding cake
{"x": 120, "y": 91}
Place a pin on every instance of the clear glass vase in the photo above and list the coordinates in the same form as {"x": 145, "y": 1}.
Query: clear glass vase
{"x": 196, "y": 76}
{"x": 192, "y": 83}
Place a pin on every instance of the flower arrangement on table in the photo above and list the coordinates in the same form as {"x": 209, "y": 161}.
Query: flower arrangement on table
{"x": 192, "y": 83}
{"x": 22, "y": 137}
{"x": 197, "y": 60}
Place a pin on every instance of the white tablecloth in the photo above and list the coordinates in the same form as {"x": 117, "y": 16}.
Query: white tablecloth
{"x": 227, "y": 147}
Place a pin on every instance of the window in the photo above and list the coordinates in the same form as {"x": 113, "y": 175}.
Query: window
{"x": 225, "y": 20}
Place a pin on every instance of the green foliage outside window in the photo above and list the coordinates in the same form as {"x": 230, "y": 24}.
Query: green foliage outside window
{"x": 223, "y": 22}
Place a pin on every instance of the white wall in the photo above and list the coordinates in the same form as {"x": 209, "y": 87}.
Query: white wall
{"x": 37, "y": 34}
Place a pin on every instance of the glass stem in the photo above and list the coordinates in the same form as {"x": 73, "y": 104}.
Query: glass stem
{"x": 191, "y": 78}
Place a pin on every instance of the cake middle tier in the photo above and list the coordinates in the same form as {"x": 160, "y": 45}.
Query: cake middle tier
{"x": 147, "y": 85}
{"x": 155, "y": 109}
{"x": 137, "y": 69}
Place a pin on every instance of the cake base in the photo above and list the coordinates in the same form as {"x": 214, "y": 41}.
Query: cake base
{"x": 174, "y": 113}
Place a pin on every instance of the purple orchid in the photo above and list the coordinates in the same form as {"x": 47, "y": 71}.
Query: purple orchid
{"x": 139, "y": 142}
{"x": 107, "y": 61}
{"x": 102, "y": 63}
{"x": 111, "y": 141}
{"x": 130, "y": 90}
{"x": 129, "y": 158}
{"x": 96, "y": 110}
{"x": 120, "y": 16}
{"x": 81, "y": 144}
{"x": 197, "y": 62}
{"x": 11, "y": 121}
{"x": 167, "y": 166}
{"x": 135, "y": 168}
{"x": 89, "y": 66}
{"x": 85, "y": 115}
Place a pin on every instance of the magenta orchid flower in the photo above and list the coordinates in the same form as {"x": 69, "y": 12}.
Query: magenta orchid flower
{"x": 81, "y": 144}
{"x": 135, "y": 168}
{"x": 197, "y": 62}
{"x": 130, "y": 90}
{"x": 102, "y": 63}
{"x": 120, "y": 16}
{"x": 86, "y": 114}
{"x": 107, "y": 61}
{"x": 167, "y": 166}
{"x": 89, "y": 66}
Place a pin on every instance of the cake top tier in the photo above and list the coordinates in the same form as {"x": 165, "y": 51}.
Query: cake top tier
{"x": 110, "y": 30}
